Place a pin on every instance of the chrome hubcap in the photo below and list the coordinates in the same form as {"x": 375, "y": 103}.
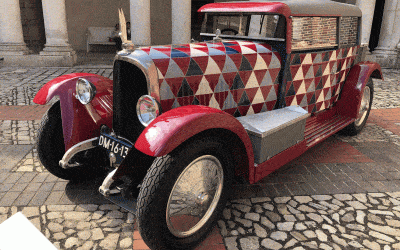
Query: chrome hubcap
{"x": 194, "y": 196}
{"x": 364, "y": 106}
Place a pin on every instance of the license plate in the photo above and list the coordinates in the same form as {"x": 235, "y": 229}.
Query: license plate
{"x": 114, "y": 145}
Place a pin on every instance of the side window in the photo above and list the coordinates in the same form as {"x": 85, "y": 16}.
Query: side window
{"x": 348, "y": 31}
{"x": 314, "y": 32}
{"x": 263, "y": 25}
{"x": 230, "y": 25}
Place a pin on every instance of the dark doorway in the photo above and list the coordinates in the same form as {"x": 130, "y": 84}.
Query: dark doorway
{"x": 33, "y": 24}
{"x": 376, "y": 25}
{"x": 197, "y": 18}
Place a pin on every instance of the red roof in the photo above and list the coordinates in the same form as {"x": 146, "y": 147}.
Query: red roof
{"x": 278, "y": 8}
{"x": 286, "y": 7}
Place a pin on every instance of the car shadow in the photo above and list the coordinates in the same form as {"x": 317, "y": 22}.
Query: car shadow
{"x": 85, "y": 192}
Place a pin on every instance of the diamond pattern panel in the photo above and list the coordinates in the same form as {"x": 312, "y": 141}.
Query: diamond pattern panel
{"x": 238, "y": 77}
{"x": 316, "y": 79}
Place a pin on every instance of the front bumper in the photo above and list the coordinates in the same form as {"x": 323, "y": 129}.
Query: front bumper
{"x": 121, "y": 184}
{"x": 77, "y": 148}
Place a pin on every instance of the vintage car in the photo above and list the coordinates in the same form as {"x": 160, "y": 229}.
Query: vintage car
{"x": 177, "y": 123}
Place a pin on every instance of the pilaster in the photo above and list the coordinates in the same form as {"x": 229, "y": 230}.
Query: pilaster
{"x": 11, "y": 36}
{"x": 386, "y": 54}
{"x": 140, "y": 22}
{"x": 57, "y": 49}
{"x": 181, "y": 21}
{"x": 367, "y": 7}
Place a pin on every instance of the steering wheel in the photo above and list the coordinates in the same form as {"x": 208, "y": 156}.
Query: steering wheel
{"x": 235, "y": 32}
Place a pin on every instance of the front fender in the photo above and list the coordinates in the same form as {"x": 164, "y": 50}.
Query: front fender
{"x": 80, "y": 122}
{"x": 174, "y": 127}
{"x": 351, "y": 94}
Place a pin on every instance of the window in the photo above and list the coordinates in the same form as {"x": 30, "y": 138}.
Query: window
{"x": 263, "y": 25}
{"x": 252, "y": 26}
{"x": 314, "y": 32}
{"x": 348, "y": 31}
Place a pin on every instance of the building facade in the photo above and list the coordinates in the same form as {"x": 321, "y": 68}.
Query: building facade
{"x": 49, "y": 32}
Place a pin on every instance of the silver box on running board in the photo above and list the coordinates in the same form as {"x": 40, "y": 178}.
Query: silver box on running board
{"x": 274, "y": 131}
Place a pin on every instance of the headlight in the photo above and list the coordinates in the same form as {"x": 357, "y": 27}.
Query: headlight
{"x": 85, "y": 91}
{"x": 147, "y": 109}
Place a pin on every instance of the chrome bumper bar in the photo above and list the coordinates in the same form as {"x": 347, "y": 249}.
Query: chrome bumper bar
{"x": 81, "y": 146}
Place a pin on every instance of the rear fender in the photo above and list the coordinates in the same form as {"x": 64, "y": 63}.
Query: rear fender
{"x": 174, "y": 127}
{"x": 80, "y": 122}
{"x": 351, "y": 94}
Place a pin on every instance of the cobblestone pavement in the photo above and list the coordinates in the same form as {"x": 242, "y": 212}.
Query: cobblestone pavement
{"x": 348, "y": 198}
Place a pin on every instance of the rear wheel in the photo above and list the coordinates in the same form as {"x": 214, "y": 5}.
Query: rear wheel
{"x": 51, "y": 149}
{"x": 363, "y": 112}
{"x": 183, "y": 194}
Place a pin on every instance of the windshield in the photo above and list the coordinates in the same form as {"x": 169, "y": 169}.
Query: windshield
{"x": 255, "y": 26}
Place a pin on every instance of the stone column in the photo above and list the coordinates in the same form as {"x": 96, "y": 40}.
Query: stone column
{"x": 55, "y": 23}
{"x": 367, "y": 7}
{"x": 387, "y": 51}
{"x": 140, "y": 22}
{"x": 11, "y": 36}
{"x": 181, "y": 21}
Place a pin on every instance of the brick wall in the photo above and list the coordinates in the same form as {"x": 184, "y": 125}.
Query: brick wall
{"x": 314, "y": 32}
{"x": 348, "y": 31}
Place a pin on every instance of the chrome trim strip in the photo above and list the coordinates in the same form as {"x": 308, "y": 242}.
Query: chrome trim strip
{"x": 79, "y": 147}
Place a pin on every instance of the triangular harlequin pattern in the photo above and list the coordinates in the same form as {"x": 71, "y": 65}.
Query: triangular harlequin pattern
{"x": 316, "y": 79}
{"x": 238, "y": 77}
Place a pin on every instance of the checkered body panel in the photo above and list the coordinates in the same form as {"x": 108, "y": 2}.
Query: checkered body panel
{"x": 238, "y": 77}
{"x": 316, "y": 79}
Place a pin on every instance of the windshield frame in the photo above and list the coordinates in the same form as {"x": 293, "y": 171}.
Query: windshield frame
{"x": 209, "y": 15}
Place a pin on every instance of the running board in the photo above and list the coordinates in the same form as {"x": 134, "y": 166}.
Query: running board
{"x": 318, "y": 130}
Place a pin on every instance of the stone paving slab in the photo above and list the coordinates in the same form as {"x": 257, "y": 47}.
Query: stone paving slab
{"x": 388, "y": 119}
{"x": 15, "y": 132}
{"x": 10, "y": 155}
{"x": 341, "y": 221}
{"x": 23, "y": 113}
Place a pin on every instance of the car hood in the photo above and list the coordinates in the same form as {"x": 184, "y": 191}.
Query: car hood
{"x": 193, "y": 73}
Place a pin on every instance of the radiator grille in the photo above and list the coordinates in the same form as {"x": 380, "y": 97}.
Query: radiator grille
{"x": 129, "y": 84}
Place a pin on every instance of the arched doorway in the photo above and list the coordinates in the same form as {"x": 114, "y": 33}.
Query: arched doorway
{"x": 197, "y": 18}
{"x": 376, "y": 25}
{"x": 33, "y": 24}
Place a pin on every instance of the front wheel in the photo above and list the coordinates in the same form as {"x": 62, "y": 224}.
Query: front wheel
{"x": 51, "y": 149}
{"x": 363, "y": 112}
{"x": 183, "y": 194}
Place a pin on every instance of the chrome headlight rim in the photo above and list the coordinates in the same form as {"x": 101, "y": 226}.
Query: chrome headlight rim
{"x": 85, "y": 91}
{"x": 152, "y": 103}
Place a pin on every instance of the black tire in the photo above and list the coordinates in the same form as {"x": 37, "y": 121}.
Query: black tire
{"x": 51, "y": 149}
{"x": 160, "y": 181}
{"x": 356, "y": 127}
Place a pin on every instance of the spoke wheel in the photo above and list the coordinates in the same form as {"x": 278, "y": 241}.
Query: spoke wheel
{"x": 195, "y": 196}
{"x": 364, "y": 106}
{"x": 363, "y": 111}
{"x": 184, "y": 193}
